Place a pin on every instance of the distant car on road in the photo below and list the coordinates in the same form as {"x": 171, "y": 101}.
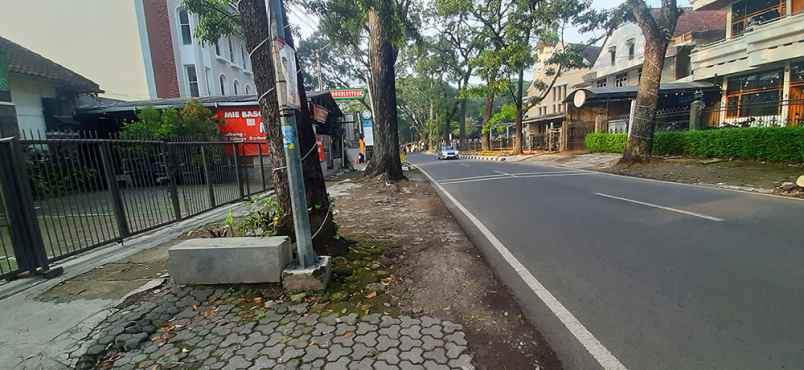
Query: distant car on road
{"x": 447, "y": 152}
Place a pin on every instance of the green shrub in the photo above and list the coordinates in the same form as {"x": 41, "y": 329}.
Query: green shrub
{"x": 779, "y": 144}
{"x": 605, "y": 143}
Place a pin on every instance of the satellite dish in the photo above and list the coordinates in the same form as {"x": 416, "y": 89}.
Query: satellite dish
{"x": 579, "y": 98}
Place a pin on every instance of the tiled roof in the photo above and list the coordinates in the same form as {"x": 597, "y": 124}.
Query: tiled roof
{"x": 26, "y": 62}
{"x": 698, "y": 21}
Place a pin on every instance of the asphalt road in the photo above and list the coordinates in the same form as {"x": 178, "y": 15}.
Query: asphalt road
{"x": 664, "y": 275}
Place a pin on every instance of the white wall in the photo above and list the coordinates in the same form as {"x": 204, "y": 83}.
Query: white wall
{"x": 27, "y": 95}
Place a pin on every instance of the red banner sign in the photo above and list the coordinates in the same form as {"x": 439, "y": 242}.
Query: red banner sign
{"x": 348, "y": 94}
{"x": 244, "y": 124}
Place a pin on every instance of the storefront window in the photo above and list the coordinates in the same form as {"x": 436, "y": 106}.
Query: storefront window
{"x": 795, "y": 113}
{"x": 749, "y": 13}
{"x": 756, "y": 94}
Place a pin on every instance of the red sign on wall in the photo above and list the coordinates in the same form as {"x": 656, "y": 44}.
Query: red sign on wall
{"x": 244, "y": 124}
{"x": 347, "y": 94}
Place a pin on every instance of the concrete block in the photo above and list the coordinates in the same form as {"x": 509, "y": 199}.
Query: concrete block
{"x": 229, "y": 260}
{"x": 314, "y": 278}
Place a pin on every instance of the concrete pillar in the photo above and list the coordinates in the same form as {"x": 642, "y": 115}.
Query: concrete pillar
{"x": 696, "y": 110}
{"x": 600, "y": 123}
{"x": 785, "y": 95}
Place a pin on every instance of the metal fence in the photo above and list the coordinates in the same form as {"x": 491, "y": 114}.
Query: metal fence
{"x": 68, "y": 194}
{"x": 738, "y": 113}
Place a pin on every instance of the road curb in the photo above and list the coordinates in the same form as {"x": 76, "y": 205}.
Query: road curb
{"x": 559, "y": 331}
{"x": 483, "y": 157}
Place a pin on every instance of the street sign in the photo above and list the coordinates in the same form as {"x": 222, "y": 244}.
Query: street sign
{"x": 348, "y": 94}
{"x": 288, "y": 57}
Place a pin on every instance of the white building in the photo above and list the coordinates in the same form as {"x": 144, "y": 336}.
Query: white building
{"x": 135, "y": 49}
{"x": 759, "y": 63}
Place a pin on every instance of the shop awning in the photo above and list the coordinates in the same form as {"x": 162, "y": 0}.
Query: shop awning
{"x": 583, "y": 96}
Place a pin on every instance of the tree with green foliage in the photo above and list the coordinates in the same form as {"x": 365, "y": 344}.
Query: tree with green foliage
{"x": 193, "y": 121}
{"x": 249, "y": 19}
{"x": 383, "y": 26}
{"x": 658, "y": 27}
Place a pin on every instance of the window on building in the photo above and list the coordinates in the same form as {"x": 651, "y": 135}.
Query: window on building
{"x": 192, "y": 80}
{"x": 208, "y": 80}
{"x": 218, "y": 47}
{"x": 621, "y": 80}
{"x": 601, "y": 83}
{"x": 631, "y": 49}
{"x": 613, "y": 55}
{"x": 236, "y": 87}
{"x": 757, "y": 94}
{"x": 184, "y": 27}
{"x": 222, "y": 81}
{"x": 231, "y": 50}
{"x": 747, "y": 13}
{"x": 242, "y": 56}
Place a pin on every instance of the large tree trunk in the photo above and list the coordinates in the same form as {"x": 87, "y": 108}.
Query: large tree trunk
{"x": 382, "y": 60}
{"x": 462, "y": 123}
{"x": 487, "y": 109}
{"x": 254, "y": 22}
{"x": 658, "y": 32}
{"x": 518, "y": 142}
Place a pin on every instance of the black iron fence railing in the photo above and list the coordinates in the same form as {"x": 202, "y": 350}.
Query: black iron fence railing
{"x": 63, "y": 195}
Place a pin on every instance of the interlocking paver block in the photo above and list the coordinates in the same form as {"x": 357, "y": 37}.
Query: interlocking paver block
{"x": 384, "y": 343}
{"x": 322, "y": 328}
{"x": 392, "y": 331}
{"x": 454, "y": 350}
{"x": 343, "y": 328}
{"x": 341, "y": 364}
{"x": 263, "y": 363}
{"x": 429, "y": 343}
{"x": 406, "y": 365}
{"x": 451, "y": 327}
{"x": 237, "y": 362}
{"x": 414, "y": 355}
{"x": 407, "y": 321}
{"x": 290, "y": 353}
{"x": 365, "y": 364}
{"x": 313, "y": 353}
{"x": 369, "y": 339}
{"x": 361, "y": 351}
{"x": 387, "y": 321}
{"x": 438, "y": 355}
{"x": 431, "y": 365}
{"x": 254, "y": 338}
{"x": 373, "y": 318}
{"x": 427, "y": 321}
{"x": 406, "y": 343}
{"x": 464, "y": 362}
{"x": 337, "y": 351}
{"x": 381, "y": 365}
{"x": 457, "y": 337}
{"x": 433, "y": 331}
{"x": 231, "y": 339}
{"x": 390, "y": 356}
{"x": 364, "y": 327}
{"x": 414, "y": 331}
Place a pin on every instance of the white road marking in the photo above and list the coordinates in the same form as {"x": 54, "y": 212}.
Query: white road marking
{"x": 489, "y": 178}
{"x": 502, "y": 173}
{"x": 676, "y": 210}
{"x": 468, "y": 178}
{"x": 600, "y": 353}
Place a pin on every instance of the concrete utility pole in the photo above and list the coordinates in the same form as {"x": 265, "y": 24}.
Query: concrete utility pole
{"x": 287, "y": 115}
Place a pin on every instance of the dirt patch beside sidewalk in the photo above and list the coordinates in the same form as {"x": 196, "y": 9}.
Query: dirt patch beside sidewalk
{"x": 438, "y": 272}
{"x": 761, "y": 176}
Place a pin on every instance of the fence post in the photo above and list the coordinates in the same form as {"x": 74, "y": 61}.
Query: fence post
{"x": 207, "y": 178}
{"x": 172, "y": 169}
{"x": 262, "y": 166}
{"x": 237, "y": 170}
{"x": 26, "y": 237}
{"x": 111, "y": 182}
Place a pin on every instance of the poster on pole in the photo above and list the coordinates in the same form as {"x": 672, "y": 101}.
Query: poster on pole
{"x": 288, "y": 59}
{"x": 368, "y": 131}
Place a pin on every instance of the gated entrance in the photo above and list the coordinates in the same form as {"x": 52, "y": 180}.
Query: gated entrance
{"x": 65, "y": 194}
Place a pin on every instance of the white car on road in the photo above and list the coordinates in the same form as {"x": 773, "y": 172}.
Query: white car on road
{"x": 447, "y": 152}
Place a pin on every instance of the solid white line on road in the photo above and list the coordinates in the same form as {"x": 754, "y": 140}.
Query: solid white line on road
{"x": 468, "y": 178}
{"x": 502, "y": 173}
{"x": 676, "y": 210}
{"x": 600, "y": 353}
{"x": 557, "y": 174}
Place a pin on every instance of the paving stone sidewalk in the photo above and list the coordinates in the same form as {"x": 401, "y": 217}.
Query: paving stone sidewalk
{"x": 215, "y": 328}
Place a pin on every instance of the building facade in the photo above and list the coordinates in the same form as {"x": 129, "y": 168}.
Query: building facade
{"x": 549, "y": 113}
{"x": 136, "y": 49}
{"x": 759, "y": 64}
{"x": 620, "y": 61}
{"x": 36, "y": 94}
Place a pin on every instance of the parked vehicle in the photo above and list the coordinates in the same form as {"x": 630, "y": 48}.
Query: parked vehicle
{"x": 447, "y": 152}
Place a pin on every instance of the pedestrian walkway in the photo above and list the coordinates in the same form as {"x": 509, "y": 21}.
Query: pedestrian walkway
{"x": 216, "y": 328}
